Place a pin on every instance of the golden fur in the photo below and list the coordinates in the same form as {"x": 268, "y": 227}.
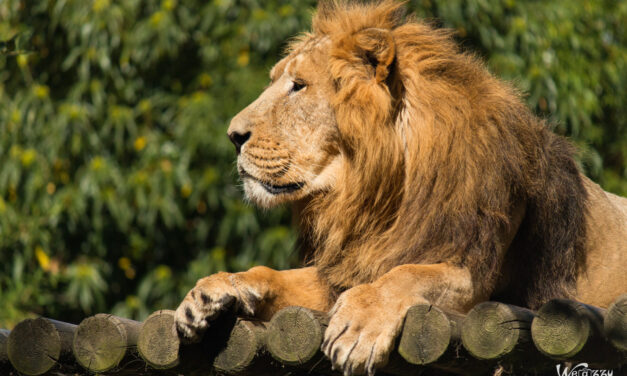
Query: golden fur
{"x": 439, "y": 172}
{"x": 419, "y": 177}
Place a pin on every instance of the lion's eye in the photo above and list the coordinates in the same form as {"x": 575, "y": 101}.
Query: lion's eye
{"x": 298, "y": 86}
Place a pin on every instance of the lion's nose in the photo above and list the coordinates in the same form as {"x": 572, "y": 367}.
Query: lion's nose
{"x": 238, "y": 139}
{"x": 239, "y": 129}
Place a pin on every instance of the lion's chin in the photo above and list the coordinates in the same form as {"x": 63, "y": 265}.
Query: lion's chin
{"x": 268, "y": 195}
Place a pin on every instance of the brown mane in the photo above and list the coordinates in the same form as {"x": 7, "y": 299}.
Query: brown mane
{"x": 440, "y": 153}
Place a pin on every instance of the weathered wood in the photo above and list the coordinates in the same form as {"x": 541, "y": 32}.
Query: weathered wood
{"x": 102, "y": 341}
{"x": 295, "y": 335}
{"x": 158, "y": 343}
{"x": 492, "y": 330}
{"x": 432, "y": 337}
{"x": 569, "y": 330}
{"x": 244, "y": 350}
{"x": 427, "y": 334}
{"x": 501, "y": 332}
{"x": 432, "y": 342}
{"x": 231, "y": 347}
{"x": 35, "y": 346}
{"x": 615, "y": 325}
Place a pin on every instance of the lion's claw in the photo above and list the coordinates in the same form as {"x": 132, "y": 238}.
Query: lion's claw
{"x": 192, "y": 319}
{"x": 205, "y": 302}
{"x": 361, "y": 332}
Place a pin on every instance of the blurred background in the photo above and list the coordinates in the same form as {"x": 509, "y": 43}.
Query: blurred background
{"x": 118, "y": 187}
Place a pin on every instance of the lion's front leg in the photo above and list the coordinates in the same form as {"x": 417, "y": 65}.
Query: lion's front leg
{"x": 366, "y": 319}
{"x": 258, "y": 292}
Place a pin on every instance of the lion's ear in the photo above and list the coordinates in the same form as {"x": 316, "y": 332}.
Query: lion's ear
{"x": 376, "y": 47}
{"x": 367, "y": 54}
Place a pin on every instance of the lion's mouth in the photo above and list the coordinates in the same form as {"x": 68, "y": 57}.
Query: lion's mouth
{"x": 273, "y": 188}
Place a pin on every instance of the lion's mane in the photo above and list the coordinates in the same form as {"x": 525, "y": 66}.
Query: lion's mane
{"x": 440, "y": 154}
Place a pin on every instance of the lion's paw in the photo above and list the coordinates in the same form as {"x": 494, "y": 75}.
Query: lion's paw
{"x": 361, "y": 331}
{"x": 211, "y": 296}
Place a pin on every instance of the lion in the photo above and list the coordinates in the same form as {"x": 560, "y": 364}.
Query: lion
{"x": 419, "y": 177}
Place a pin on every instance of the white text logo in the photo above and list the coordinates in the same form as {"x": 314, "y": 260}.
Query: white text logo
{"x": 582, "y": 369}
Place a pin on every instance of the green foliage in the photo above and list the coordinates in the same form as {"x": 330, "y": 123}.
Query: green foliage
{"x": 570, "y": 57}
{"x": 118, "y": 188}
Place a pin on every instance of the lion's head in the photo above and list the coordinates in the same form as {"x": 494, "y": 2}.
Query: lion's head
{"x": 287, "y": 140}
{"x": 292, "y": 142}
{"x": 403, "y": 149}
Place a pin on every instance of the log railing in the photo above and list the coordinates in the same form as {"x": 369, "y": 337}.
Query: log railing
{"x": 491, "y": 335}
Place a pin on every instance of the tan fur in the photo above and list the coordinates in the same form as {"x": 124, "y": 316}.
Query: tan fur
{"x": 419, "y": 177}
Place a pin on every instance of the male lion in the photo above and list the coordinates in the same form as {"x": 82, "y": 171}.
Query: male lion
{"x": 420, "y": 178}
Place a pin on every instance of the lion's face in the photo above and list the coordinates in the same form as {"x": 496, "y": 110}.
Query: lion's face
{"x": 287, "y": 139}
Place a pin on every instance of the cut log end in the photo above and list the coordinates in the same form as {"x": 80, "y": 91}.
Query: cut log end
{"x": 426, "y": 335}
{"x": 102, "y": 341}
{"x": 295, "y": 335}
{"x": 158, "y": 344}
{"x": 560, "y": 329}
{"x": 615, "y": 325}
{"x": 243, "y": 345}
{"x": 492, "y": 330}
{"x": 36, "y": 345}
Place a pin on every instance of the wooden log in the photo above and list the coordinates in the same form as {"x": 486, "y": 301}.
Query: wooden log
{"x": 35, "y": 346}
{"x": 492, "y": 330}
{"x": 158, "y": 343}
{"x": 432, "y": 337}
{"x": 569, "y": 330}
{"x": 295, "y": 335}
{"x": 501, "y": 332}
{"x": 427, "y": 333}
{"x": 615, "y": 324}
{"x": 243, "y": 353}
{"x": 230, "y": 347}
{"x": 102, "y": 341}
